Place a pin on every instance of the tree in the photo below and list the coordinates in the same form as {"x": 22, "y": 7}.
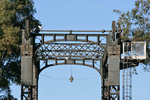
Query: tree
{"x": 13, "y": 14}
{"x": 136, "y": 24}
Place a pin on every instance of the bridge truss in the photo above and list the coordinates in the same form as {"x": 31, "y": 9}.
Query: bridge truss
{"x": 99, "y": 49}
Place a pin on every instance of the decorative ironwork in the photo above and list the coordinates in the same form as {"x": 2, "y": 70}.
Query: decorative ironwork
{"x": 71, "y": 51}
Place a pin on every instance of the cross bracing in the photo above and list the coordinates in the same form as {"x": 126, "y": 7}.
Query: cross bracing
{"x": 73, "y": 51}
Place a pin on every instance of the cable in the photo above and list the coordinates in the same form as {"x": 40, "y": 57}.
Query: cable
{"x": 52, "y": 77}
{"x": 87, "y": 78}
{"x": 67, "y": 79}
{"x": 71, "y": 69}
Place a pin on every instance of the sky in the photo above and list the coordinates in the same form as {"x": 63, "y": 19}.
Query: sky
{"x": 54, "y": 82}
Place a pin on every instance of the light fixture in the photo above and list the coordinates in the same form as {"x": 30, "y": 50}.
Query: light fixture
{"x": 71, "y": 79}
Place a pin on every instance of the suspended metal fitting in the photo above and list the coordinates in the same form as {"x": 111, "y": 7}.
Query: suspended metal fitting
{"x": 71, "y": 79}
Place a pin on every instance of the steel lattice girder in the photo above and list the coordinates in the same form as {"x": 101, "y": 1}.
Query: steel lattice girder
{"x": 73, "y": 51}
{"x": 28, "y": 92}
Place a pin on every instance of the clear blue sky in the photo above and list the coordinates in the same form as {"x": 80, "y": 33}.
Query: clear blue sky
{"x": 80, "y": 14}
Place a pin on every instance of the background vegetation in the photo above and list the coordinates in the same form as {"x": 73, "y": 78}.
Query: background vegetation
{"x": 12, "y": 14}
{"x": 136, "y": 24}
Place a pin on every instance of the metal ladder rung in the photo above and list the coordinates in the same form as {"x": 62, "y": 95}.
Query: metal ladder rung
{"x": 127, "y": 81}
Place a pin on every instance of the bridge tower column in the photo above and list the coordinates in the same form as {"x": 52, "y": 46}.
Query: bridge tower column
{"x": 110, "y": 70}
{"x": 29, "y": 67}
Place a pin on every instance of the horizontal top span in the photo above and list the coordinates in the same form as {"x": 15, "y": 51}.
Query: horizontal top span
{"x": 76, "y": 31}
{"x": 63, "y": 34}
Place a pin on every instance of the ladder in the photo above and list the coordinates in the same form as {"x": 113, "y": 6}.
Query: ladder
{"x": 127, "y": 77}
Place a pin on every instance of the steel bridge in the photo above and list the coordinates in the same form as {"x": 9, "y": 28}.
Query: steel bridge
{"x": 72, "y": 47}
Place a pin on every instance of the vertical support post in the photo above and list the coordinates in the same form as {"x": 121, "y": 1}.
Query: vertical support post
{"x": 111, "y": 72}
{"x": 29, "y": 67}
{"x": 27, "y": 33}
{"x": 35, "y": 80}
{"x": 113, "y": 30}
{"x": 114, "y": 77}
{"x": 104, "y": 83}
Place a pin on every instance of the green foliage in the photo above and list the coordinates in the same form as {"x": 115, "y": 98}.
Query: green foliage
{"x": 13, "y": 14}
{"x": 7, "y": 96}
{"x": 136, "y": 23}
